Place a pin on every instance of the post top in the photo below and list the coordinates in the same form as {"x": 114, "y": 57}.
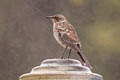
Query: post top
{"x": 60, "y": 66}
{"x": 61, "y": 62}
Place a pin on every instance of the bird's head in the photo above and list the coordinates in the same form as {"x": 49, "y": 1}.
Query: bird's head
{"x": 57, "y": 18}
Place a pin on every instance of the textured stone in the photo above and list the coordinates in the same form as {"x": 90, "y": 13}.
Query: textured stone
{"x": 61, "y": 69}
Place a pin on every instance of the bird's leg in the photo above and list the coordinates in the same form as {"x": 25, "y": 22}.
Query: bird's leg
{"x": 63, "y": 53}
{"x": 69, "y": 53}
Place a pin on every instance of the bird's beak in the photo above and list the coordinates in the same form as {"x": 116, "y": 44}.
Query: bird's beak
{"x": 49, "y": 16}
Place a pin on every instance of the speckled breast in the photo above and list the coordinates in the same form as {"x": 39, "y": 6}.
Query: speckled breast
{"x": 57, "y": 37}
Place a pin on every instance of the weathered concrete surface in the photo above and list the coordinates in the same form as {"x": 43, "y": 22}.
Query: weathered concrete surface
{"x": 60, "y": 69}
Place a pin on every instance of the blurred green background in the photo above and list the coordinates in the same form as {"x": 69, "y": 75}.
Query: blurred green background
{"x": 26, "y": 36}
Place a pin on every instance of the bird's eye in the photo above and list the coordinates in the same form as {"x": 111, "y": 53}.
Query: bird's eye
{"x": 58, "y": 19}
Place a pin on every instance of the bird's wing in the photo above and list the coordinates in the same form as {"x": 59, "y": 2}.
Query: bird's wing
{"x": 68, "y": 33}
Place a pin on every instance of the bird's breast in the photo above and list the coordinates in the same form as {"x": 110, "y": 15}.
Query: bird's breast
{"x": 57, "y": 37}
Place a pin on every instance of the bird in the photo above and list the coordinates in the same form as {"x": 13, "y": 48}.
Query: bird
{"x": 66, "y": 35}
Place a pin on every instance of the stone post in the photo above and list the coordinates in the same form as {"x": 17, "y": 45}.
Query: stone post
{"x": 61, "y": 69}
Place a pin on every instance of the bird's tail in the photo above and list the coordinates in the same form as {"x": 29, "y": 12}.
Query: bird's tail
{"x": 83, "y": 59}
